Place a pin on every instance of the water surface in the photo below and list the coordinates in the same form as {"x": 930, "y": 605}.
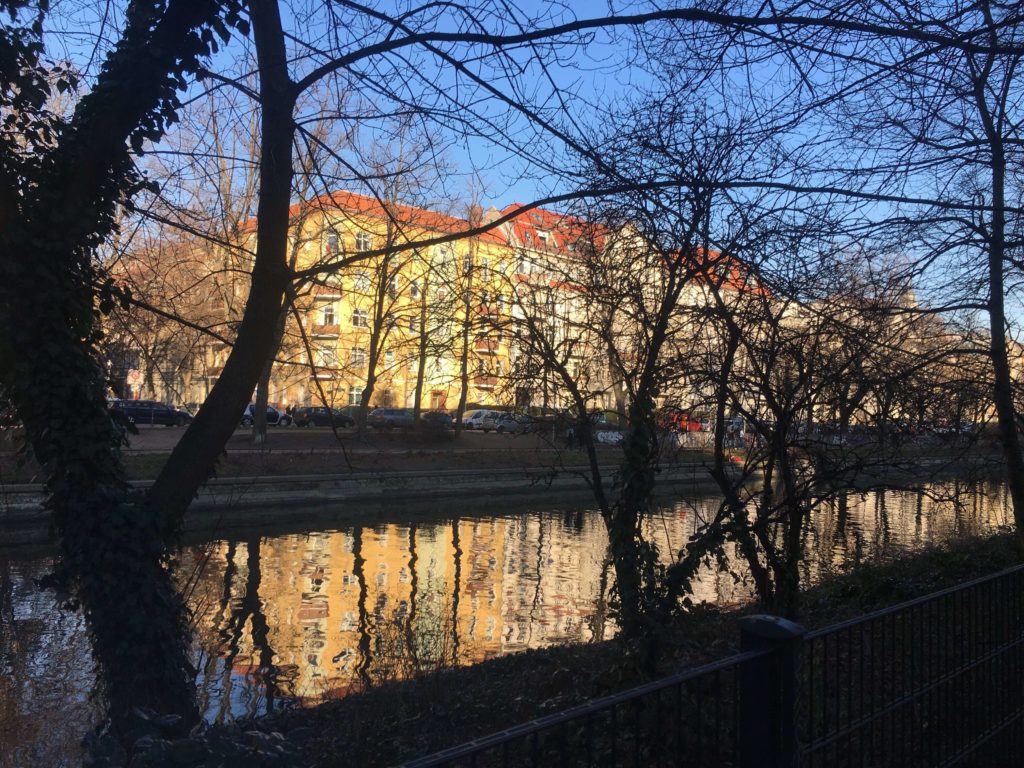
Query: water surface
{"x": 293, "y": 618}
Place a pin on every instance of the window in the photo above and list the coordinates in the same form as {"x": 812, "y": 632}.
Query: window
{"x": 501, "y": 302}
{"x": 364, "y": 242}
{"x": 393, "y": 288}
{"x": 467, "y": 263}
{"x": 389, "y": 357}
{"x": 484, "y": 297}
{"x": 332, "y": 243}
{"x": 327, "y": 316}
{"x": 391, "y": 322}
{"x": 358, "y": 356}
{"x": 414, "y": 325}
{"x": 497, "y": 367}
{"x": 355, "y": 395}
{"x": 485, "y": 269}
{"x": 414, "y": 289}
{"x": 481, "y": 367}
{"x": 326, "y": 357}
{"x": 360, "y": 318}
{"x": 412, "y": 363}
{"x": 361, "y": 281}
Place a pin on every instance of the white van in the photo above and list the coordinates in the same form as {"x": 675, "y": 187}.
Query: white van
{"x": 481, "y": 419}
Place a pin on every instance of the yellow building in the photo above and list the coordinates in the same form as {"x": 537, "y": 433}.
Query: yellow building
{"x": 409, "y": 324}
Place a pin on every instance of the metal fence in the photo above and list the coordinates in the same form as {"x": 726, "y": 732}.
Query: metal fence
{"x": 937, "y": 681}
{"x": 933, "y": 682}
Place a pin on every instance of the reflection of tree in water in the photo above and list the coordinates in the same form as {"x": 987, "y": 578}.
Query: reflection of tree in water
{"x": 456, "y": 582}
{"x": 359, "y": 572}
{"x": 264, "y": 686}
{"x": 410, "y": 640}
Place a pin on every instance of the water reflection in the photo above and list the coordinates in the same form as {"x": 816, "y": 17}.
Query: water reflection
{"x": 45, "y": 672}
{"x": 340, "y": 610}
{"x": 299, "y": 617}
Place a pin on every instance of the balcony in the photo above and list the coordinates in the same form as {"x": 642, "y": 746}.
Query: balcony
{"x": 486, "y": 346}
{"x": 332, "y": 331}
{"x": 327, "y": 291}
{"x": 485, "y": 382}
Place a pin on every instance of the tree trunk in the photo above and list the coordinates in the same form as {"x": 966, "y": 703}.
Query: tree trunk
{"x": 1002, "y": 395}
{"x": 262, "y": 400}
{"x": 464, "y": 362}
{"x": 112, "y": 560}
{"x": 421, "y": 368}
{"x": 196, "y": 453}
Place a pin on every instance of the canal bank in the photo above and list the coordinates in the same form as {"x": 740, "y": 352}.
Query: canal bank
{"x": 232, "y": 503}
{"x": 283, "y": 501}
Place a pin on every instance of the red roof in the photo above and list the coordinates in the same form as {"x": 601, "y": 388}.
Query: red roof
{"x": 729, "y": 272}
{"x": 561, "y": 232}
{"x": 364, "y": 205}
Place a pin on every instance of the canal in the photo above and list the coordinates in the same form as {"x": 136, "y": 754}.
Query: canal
{"x": 293, "y": 618}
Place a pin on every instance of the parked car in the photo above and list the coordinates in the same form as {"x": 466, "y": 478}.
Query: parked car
{"x": 680, "y": 421}
{"x": 514, "y": 424}
{"x": 482, "y": 419}
{"x": 437, "y": 420}
{"x": 351, "y": 411}
{"x": 390, "y": 418}
{"x": 468, "y": 416}
{"x": 150, "y": 412}
{"x": 320, "y": 416}
{"x": 275, "y": 418}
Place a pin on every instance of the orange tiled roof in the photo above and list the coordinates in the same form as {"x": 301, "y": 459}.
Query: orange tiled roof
{"x": 736, "y": 277}
{"x": 364, "y": 205}
{"x": 562, "y": 231}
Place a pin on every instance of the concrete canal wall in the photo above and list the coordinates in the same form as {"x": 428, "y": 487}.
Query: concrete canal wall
{"x": 228, "y": 502}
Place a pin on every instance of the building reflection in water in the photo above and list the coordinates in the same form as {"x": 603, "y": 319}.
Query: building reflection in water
{"x": 309, "y": 616}
{"x": 300, "y": 617}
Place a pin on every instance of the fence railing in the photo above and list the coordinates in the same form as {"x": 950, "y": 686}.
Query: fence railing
{"x": 934, "y": 681}
{"x": 937, "y": 681}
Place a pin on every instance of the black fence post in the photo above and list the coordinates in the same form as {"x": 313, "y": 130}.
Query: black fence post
{"x": 768, "y": 691}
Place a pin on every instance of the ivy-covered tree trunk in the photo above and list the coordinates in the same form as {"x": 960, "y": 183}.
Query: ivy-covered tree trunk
{"x": 57, "y": 205}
